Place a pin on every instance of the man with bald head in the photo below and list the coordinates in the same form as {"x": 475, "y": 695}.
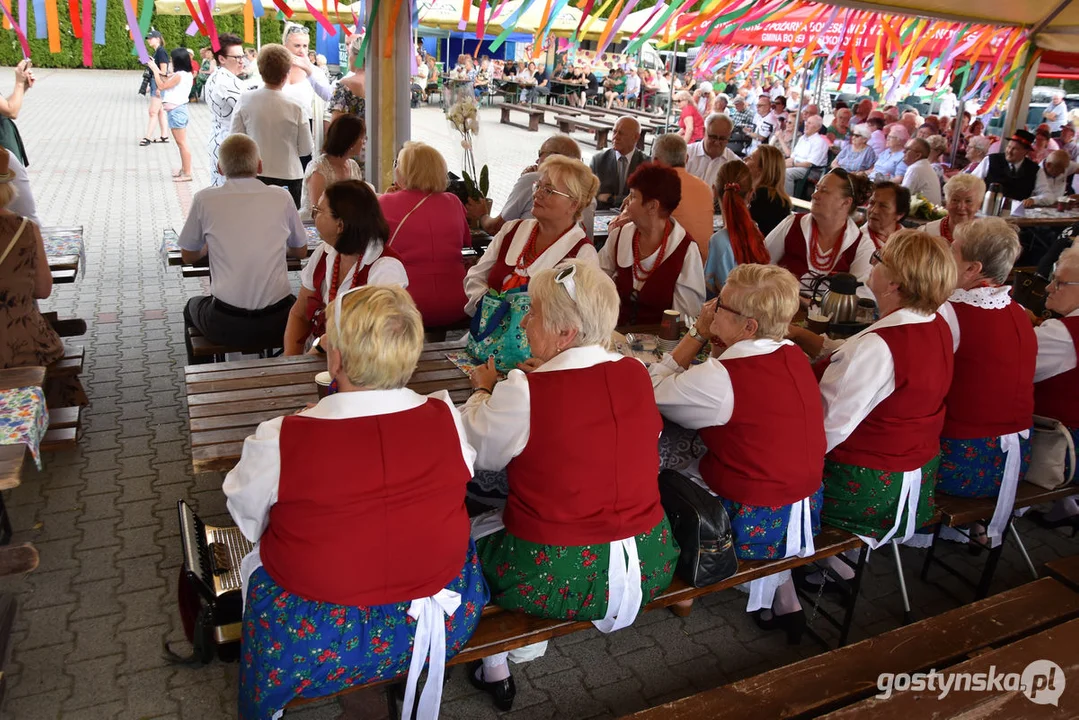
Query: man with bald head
{"x": 614, "y": 165}
{"x": 694, "y": 211}
{"x": 708, "y": 155}
{"x": 919, "y": 177}
{"x": 1052, "y": 182}
{"x": 811, "y": 150}
{"x": 519, "y": 203}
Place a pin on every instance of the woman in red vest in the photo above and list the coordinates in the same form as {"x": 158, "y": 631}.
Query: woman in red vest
{"x": 883, "y": 392}
{"x": 985, "y": 443}
{"x": 362, "y": 545}
{"x": 1056, "y": 376}
{"x": 353, "y": 253}
{"x": 655, "y": 265}
{"x": 428, "y": 229}
{"x": 585, "y": 535}
{"x": 761, "y": 388}
{"x": 825, "y": 240}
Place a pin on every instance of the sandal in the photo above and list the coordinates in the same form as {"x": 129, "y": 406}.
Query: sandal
{"x": 161, "y": 139}
{"x": 144, "y": 142}
{"x": 181, "y": 178}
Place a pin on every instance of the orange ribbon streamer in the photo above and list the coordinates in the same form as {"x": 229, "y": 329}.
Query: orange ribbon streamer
{"x": 388, "y": 52}
{"x": 249, "y": 21}
{"x": 7, "y": 6}
{"x": 52, "y": 18}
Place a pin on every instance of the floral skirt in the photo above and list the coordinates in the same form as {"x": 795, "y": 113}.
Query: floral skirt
{"x": 975, "y": 468}
{"x": 865, "y": 501}
{"x": 760, "y": 533}
{"x": 1067, "y": 463}
{"x": 569, "y": 582}
{"x": 293, "y": 647}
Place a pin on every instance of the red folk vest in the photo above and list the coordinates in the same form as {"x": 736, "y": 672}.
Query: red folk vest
{"x": 992, "y": 391}
{"x": 501, "y": 269}
{"x": 657, "y": 293}
{"x": 903, "y": 432}
{"x": 1058, "y": 397}
{"x": 316, "y": 308}
{"x": 795, "y": 256}
{"x": 365, "y": 515}
{"x": 771, "y": 453}
{"x": 589, "y": 473}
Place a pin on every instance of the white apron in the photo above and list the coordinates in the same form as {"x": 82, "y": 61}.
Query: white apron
{"x": 1009, "y": 445}
{"x": 762, "y": 591}
{"x": 908, "y": 495}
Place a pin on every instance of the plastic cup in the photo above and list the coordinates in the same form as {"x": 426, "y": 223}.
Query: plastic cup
{"x": 322, "y": 384}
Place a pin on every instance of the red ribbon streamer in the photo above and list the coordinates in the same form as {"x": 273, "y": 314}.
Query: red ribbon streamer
{"x": 73, "y": 10}
{"x": 283, "y": 7}
{"x": 210, "y": 25}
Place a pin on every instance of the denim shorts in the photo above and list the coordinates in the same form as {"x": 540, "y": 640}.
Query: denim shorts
{"x": 178, "y": 117}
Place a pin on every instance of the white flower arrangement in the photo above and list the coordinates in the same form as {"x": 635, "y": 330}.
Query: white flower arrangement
{"x": 465, "y": 118}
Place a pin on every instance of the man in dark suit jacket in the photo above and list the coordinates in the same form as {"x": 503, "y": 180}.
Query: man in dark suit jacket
{"x": 614, "y": 165}
{"x": 1013, "y": 169}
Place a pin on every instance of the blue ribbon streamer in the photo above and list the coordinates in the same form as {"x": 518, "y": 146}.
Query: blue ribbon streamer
{"x": 40, "y": 25}
{"x": 509, "y": 25}
{"x": 101, "y": 9}
{"x": 256, "y": 8}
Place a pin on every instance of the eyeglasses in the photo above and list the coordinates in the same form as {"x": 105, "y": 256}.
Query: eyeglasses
{"x": 1054, "y": 283}
{"x": 728, "y": 308}
{"x": 718, "y": 138}
{"x": 235, "y": 57}
{"x": 565, "y": 279}
{"x": 548, "y": 190}
{"x": 877, "y": 258}
{"x": 296, "y": 29}
{"x": 316, "y": 211}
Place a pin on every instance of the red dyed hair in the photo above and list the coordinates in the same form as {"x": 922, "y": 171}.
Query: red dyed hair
{"x": 657, "y": 182}
{"x": 733, "y": 184}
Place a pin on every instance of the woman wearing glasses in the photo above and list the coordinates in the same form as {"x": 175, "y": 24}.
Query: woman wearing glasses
{"x": 222, "y": 93}
{"x": 759, "y": 389}
{"x": 568, "y": 549}
{"x": 883, "y": 392}
{"x": 655, "y": 265}
{"x": 1056, "y": 388}
{"x": 523, "y": 248}
{"x": 353, "y": 253}
{"x": 307, "y": 83}
{"x": 355, "y": 541}
{"x": 985, "y": 443}
{"x": 825, "y": 240}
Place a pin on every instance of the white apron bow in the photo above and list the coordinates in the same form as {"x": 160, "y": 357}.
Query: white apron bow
{"x": 429, "y": 646}
{"x": 908, "y": 495}
{"x": 624, "y": 587}
{"x": 1009, "y": 445}
{"x": 762, "y": 591}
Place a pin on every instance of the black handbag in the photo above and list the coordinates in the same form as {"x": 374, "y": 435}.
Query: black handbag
{"x": 702, "y": 529}
{"x": 1030, "y": 291}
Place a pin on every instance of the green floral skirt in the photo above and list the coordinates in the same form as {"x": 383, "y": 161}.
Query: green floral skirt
{"x": 569, "y": 582}
{"x": 865, "y": 501}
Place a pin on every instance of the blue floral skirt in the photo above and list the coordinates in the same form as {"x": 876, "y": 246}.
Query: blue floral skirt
{"x": 975, "y": 468}
{"x": 293, "y": 647}
{"x": 760, "y": 533}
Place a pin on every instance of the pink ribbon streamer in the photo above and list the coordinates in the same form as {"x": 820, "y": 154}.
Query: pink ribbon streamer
{"x": 617, "y": 24}
{"x": 320, "y": 18}
{"x": 19, "y": 31}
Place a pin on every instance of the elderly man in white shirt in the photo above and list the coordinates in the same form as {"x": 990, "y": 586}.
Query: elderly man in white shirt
{"x": 810, "y": 151}
{"x": 706, "y": 156}
{"x": 920, "y": 177}
{"x": 1056, "y": 115}
{"x": 247, "y": 228}
{"x": 1052, "y": 182}
{"x": 276, "y": 123}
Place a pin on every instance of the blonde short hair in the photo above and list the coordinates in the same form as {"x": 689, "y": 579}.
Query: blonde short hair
{"x": 965, "y": 181}
{"x": 593, "y": 314}
{"x": 581, "y": 184}
{"x": 381, "y": 336}
{"x": 937, "y": 142}
{"x": 8, "y": 193}
{"x": 238, "y": 156}
{"x": 924, "y": 268}
{"x": 1069, "y": 258}
{"x": 992, "y": 242}
{"x": 274, "y": 63}
{"x": 683, "y": 96}
{"x": 421, "y": 167}
{"x": 767, "y": 294}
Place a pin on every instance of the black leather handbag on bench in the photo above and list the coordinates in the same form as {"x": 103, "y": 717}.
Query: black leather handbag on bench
{"x": 702, "y": 529}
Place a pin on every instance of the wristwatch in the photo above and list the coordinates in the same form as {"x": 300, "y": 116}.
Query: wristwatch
{"x": 696, "y": 335}
{"x": 317, "y": 345}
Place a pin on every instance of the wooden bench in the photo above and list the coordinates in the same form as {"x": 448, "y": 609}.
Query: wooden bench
{"x": 500, "y": 630}
{"x": 1066, "y": 570}
{"x": 535, "y": 115}
{"x": 70, "y": 364}
{"x": 837, "y": 679}
{"x": 567, "y": 125}
{"x": 957, "y": 511}
{"x": 16, "y": 559}
{"x": 65, "y": 328}
{"x": 203, "y": 347}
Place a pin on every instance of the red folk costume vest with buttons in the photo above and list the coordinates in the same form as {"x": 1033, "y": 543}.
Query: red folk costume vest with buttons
{"x": 370, "y": 517}
{"x": 1058, "y": 397}
{"x": 795, "y": 256}
{"x": 657, "y": 292}
{"x": 902, "y": 432}
{"x": 992, "y": 391}
{"x": 496, "y": 278}
{"x": 316, "y": 308}
{"x": 589, "y": 471}
{"x": 775, "y": 398}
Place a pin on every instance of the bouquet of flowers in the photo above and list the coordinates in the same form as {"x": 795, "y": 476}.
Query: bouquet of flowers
{"x": 464, "y": 116}
{"x": 924, "y": 210}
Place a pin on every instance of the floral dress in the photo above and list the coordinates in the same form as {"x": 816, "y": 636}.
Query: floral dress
{"x": 344, "y": 100}
{"x": 293, "y": 647}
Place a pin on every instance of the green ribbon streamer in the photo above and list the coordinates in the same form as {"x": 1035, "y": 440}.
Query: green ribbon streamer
{"x": 636, "y": 45}
{"x": 145, "y": 18}
{"x": 728, "y": 18}
{"x": 361, "y": 56}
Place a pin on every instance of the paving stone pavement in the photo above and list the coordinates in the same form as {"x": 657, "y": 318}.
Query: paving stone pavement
{"x": 94, "y": 616}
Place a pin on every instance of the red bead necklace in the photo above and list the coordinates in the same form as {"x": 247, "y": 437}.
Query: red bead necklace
{"x": 334, "y": 281}
{"x": 822, "y": 261}
{"x": 639, "y": 273}
{"x": 946, "y": 229}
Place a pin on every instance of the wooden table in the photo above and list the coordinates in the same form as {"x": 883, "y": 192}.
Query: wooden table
{"x": 226, "y": 401}
{"x": 65, "y": 268}
{"x": 1044, "y": 218}
{"x": 12, "y": 456}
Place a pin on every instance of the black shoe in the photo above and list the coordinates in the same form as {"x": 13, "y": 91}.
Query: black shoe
{"x": 502, "y": 691}
{"x": 793, "y": 623}
{"x": 841, "y": 590}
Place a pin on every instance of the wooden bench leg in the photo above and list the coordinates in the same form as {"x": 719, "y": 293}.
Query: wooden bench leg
{"x": 534, "y": 122}
{"x": 856, "y": 587}
{"x": 5, "y": 523}
{"x": 505, "y": 115}
{"x": 929, "y": 555}
{"x": 601, "y": 139}
{"x": 991, "y": 566}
